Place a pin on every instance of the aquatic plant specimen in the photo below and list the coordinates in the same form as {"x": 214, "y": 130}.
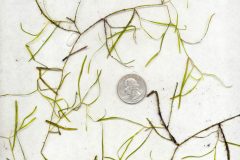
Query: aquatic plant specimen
{"x": 61, "y": 109}
{"x": 159, "y": 130}
{"x": 19, "y": 126}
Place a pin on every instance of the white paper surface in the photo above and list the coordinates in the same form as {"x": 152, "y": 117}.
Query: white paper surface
{"x": 208, "y": 104}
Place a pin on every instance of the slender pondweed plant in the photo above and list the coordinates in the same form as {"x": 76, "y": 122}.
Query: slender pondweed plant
{"x": 19, "y": 126}
{"x": 113, "y": 36}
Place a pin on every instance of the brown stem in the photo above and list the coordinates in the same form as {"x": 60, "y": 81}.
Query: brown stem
{"x": 49, "y": 69}
{"x": 155, "y": 130}
{"x": 120, "y": 11}
{"x": 77, "y": 51}
{"x": 52, "y": 21}
{"x": 214, "y": 125}
{"x": 161, "y": 118}
{"x": 174, "y": 153}
{"x": 225, "y": 141}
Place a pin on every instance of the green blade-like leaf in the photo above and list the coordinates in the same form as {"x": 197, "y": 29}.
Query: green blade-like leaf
{"x": 15, "y": 125}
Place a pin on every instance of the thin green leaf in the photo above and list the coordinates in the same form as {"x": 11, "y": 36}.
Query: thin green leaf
{"x": 218, "y": 79}
{"x": 127, "y": 143}
{"x": 234, "y": 144}
{"x": 103, "y": 143}
{"x": 179, "y": 41}
{"x": 119, "y": 118}
{"x": 109, "y": 158}
{"x": 176, "y": 26}
{"x": 44, "y": 43}
{"x": 61, "y": 127}
{"x": 155, "y": 130}
{"x": 36, "y": 37}
{"x": 121, "y": 34}
{"x": 200, "y": 156}
{"x": 30, "y": 52}
{"x": 79, "y": 78}
{"x": 215, "y": 154}
{"x": 12, "y": 149}
{"x": 90, "y": 61}
{"x": 91, "y": 87}
{"x": 29, "y": 115}
{"x": 152, "y": 58}
{"x": 27, "y": 124}
{"x": 183, "y": 83}
{"x": 129, "y": 29}
{"x": 15, "y": 125}
{"x": 160, "y": 23}
{"x": 140, "y": 146}
{"x": 204, "y": 35}
{"x": 21, "y": 26}
{"x": 160, "y": 48}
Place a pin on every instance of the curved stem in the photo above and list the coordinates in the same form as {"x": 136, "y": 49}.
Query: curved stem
{"x": 161, "y": 117}
{"x": 225, "y": 141}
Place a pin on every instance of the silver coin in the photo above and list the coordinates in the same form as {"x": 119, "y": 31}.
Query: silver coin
{"x": 131, "y": 88}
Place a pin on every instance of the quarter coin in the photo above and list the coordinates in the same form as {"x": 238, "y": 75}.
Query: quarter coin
{"x": 131, "y": 88}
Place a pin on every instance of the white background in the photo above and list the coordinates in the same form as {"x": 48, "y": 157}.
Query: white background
{"x": 208, "y": 104}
